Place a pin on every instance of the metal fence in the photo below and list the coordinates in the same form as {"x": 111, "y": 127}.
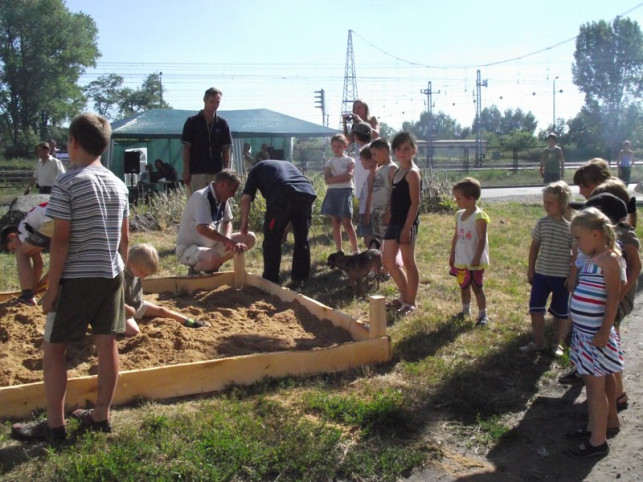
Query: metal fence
{"x": 452, "y": 158}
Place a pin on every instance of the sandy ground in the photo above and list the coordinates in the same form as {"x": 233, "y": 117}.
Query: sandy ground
{"x": 242, "y": 322}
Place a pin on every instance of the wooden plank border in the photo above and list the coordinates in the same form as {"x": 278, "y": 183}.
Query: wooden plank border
{"x": 371, "y": 345}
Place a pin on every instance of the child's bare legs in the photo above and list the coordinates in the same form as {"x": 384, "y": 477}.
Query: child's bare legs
{"x": 618, "y": 378}
{"x": 55, "y": 378}
{"x": 398, "y": 275}
{"x": 350, "y": 231}
{"x": 337, "y": 232}
{"x": 131, "y": 327}
{"x": 465, "y": 296}
{"x": 620, "y": 389}
{"x": 597, "y": 407}
{"x": 28, "y": 274}
{"x": 481, "y": 299}
{"x": 155, "y": 311}
{"x": 538, "y": 329}
{"x": 108, "y": 366}
{"x": 610, "y": 392}
{"x": 412, "y": 275}
{"x": 561, "y": 329}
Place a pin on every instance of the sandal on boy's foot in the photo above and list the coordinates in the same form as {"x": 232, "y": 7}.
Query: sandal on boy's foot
{"x": 38, "y": 432}
{"x": 531, "y": 347}
{"x": 394, "y": 305}
{"x": 405, "y": 309}
{"x": 88, "y": 423}
{"x": 586, "y": 449}
{"x": 191, "y": 323}
{"x": 621, "y": 405}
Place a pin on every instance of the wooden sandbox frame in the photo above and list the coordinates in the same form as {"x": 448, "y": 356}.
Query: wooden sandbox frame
{"x": 370, "y": 345}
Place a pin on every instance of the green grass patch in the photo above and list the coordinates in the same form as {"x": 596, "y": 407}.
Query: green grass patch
{"x": 369, "y": 423}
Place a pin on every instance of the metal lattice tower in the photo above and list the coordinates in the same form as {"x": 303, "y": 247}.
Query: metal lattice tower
{"x": 350, "y": 81}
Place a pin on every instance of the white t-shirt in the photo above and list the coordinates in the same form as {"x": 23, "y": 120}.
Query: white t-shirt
{"x": 360, "y": 174}
{"x": 35, "y": 219}
{"x": 198, "y": 212}
{"x": 47, "y": 172}
{"x": 467, "y": 243}
{"x": 337, "y": 166}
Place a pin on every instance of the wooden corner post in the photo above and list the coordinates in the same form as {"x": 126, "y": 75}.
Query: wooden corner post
{"x": 239, "y": 271}
{"x": 377, "y": 316}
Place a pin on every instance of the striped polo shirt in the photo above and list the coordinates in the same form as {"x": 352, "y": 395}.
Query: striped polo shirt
{"x": 95, "y": 202}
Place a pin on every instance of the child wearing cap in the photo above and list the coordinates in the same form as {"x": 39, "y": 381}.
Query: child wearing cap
{"x": 143, "y": 261}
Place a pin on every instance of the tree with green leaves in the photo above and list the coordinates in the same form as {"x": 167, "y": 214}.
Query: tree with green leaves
{"x": 608, "y": 69}
{"x": 148, "y": 96}
{"x": 442, "y": 126}
{"x": 112, "y": 100}
{"x": 105, "y": 93}
{"x": 44, "y": 48}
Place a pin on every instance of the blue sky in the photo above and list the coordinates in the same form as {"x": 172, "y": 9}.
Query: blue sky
{"x": 276, "y": 54}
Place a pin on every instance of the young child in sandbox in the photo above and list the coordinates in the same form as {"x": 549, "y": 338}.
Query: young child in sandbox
{"x": 142, "y": 261}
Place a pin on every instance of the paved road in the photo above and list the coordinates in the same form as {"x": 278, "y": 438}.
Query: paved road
{"x": 535, "y": 191}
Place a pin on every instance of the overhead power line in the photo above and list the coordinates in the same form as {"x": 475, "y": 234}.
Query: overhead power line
{"x": 488, "y": 64}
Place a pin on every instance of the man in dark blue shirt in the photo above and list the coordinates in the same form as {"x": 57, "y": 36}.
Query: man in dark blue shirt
{"x": 289, "y": 199}
{"x": 206, "y": 142}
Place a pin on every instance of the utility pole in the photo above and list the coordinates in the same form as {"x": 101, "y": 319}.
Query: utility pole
{"x": 350, "y": 81}
{"x": 553, "y": 124}
{"x": 161, "y": 87}
{"x": 429, "y": 124}
{"x": 320, "y": 101}
{"x": 479, "y": 84}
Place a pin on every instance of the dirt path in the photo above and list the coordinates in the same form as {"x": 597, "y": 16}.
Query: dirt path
{"x": 533, "y": 449}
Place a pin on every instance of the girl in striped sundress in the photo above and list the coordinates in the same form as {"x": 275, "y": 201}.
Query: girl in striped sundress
{"x": 595, "y": 349}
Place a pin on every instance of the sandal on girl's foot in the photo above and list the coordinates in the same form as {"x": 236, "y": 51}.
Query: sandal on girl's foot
{"x": 620, "y": 403}
{"x": 406, "y": 309}
{"x": 38, "y": 432}
{"x": 394, "y": 305}
{"x": 88, "y": 423}
{"x": 586, "y": 449}
{"x": 191, "y": 323}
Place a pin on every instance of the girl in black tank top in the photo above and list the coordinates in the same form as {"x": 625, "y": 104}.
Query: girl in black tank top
{"x": 402, "y": 231}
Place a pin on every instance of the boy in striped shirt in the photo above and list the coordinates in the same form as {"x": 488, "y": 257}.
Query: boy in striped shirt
{"x": 88, "y": 250}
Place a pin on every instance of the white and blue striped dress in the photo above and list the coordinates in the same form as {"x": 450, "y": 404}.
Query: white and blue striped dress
{"x": 587, "y": 311}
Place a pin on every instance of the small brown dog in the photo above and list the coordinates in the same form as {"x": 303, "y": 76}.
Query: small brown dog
{"x": 358, "y": 266}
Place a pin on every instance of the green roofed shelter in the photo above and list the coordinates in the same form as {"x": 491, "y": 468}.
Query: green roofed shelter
{"x": 158, "y": 133}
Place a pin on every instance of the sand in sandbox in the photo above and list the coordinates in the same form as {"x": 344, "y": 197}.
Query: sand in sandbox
{"x": 242, "y": 322}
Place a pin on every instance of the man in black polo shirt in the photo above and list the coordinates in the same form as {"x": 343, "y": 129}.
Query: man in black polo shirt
{"x": 206, "y": 143}
{"x": 289, "y": 199}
